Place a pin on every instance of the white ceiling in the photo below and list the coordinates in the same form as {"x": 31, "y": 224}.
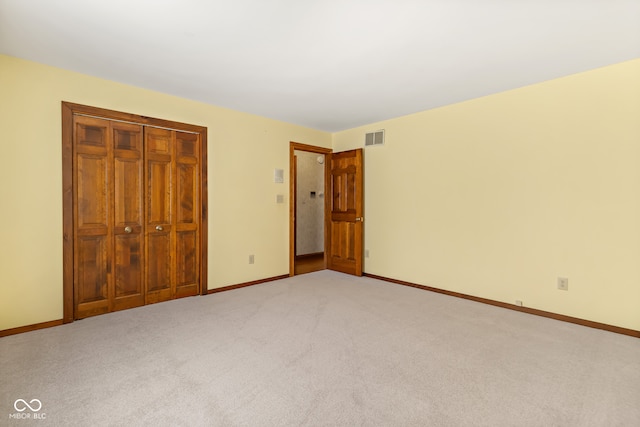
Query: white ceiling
{"x": 324, "y": 64}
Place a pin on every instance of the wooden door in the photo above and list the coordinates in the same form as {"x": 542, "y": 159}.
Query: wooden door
{"x": 134, "y": 210}
{"x": 172, "y": 227}
{"x": 108, "y": 216}
{"x": 187, "y": 208}
{"x": 128, "y": 216}
{"x": 159, "y": 146}
{"x": 346, "y": 212}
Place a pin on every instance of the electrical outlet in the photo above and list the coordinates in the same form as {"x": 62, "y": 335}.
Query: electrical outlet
{"x": 366, "y": 253}
{"x": 519, "y": 303}
{"x": 251, "y": 259}
{"x": 563, "y": 283}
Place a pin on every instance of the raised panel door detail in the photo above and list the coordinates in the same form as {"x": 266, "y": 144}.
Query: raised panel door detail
{"x": 91, "y": 261}
{"x": 343, "y": 187}
{"x": 350, "y": 188}
{"x": 336, "y": 241}
{"x": 129, "y": 139}
{"x": 159, "y": 262}
{"x": 91, "y": 134}
{"x": 159, "y": 205}
{"x": 92, "y": 190}
{"x": 158, "y": 141}
{"x": 186, "y": 255}
{"x": 128, "y": 195}
{"x": 187, "y": 145}
{"x": 128, "y": 265}
{"x": 187, "y": 193}
{"x": 336, "y": 192}
{"x": 342, "y": 240}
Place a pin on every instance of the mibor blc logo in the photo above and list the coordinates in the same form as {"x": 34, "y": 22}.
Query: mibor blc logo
{"x": 34, "y": 406}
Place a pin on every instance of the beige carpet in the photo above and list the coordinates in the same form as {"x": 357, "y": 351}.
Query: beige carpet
{"x": 322, "y": 349}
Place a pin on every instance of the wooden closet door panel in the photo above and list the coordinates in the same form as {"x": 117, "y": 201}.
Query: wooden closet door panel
{"x": 159, "y": 265}
{"x": 128, "y": 272}
{"x": 159, "y": 196}
{"x": 128, "y": 290}
{"x": 92, "y": 225}
{"x": 160, "y": 241}
{"x": 92, "y": 259}
{"x": 187, "y": 214}
{"x": 346, "y": 190}
{"x": 187, "y": 263}
{"x": 92, "y": 181}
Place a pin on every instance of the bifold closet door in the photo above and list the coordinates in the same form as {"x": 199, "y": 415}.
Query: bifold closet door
{"x": 133, "y": 210}
{"x": 172, "y": 220}
{"x": 188, "y": 208}
{"x": 108, "y": 216}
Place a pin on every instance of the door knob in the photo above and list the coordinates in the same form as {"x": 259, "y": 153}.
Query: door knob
{"x": 128, "y": 229}
{"x": 361, "y": 219}
{"x": 159, "y": 228}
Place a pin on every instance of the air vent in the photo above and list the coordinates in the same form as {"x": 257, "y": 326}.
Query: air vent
{"x": 374, "y": 138}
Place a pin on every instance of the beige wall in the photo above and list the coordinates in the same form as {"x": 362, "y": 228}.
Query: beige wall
{"x": 498, "y": 196}
{"x": 243, "y": 151}
{"x": 494, "y": 197}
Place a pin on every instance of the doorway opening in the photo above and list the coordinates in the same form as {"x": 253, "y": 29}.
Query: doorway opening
{"x": 308, "y": 237}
